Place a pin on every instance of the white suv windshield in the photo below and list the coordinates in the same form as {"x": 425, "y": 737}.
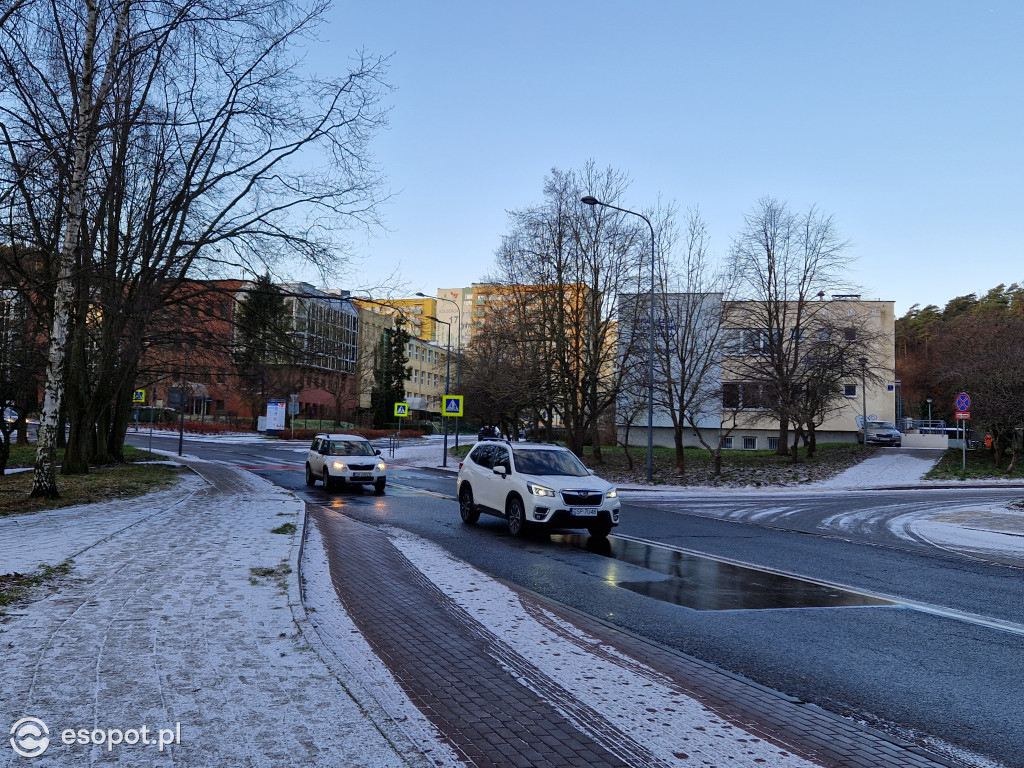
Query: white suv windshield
{"x": 540, "y": 462}
{"x": 351, "y": 448}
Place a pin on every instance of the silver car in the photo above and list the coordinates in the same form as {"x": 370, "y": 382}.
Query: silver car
{"x": 881, "y": 433}
{"x": 340, "y": 460}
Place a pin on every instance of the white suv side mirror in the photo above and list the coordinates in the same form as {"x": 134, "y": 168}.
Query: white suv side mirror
{"x": 500, "y": 470}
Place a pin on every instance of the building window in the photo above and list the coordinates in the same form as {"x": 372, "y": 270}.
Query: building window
{"x": 727, "y": 443}
{"x": 742, "y": 395}
{"x": 746, "y": 341}
{"x": 850, "y": 334}
{"x": 749, "y": 443}
{"x": 773, "y": 443}
{"x": 731, "y": 341}
{"x": 731, "y": 395}
{"x": 849, "y": 390}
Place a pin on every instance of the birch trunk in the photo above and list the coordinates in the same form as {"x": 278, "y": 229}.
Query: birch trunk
{"x": 45, "y": 476}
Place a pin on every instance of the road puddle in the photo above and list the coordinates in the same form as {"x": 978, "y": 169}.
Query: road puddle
{"x": 706, "y": 584}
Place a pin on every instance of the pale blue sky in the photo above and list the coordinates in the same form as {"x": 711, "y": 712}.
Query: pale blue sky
{"x": 902, "y": 119}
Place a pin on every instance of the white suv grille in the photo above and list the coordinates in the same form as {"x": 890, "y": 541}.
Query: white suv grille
{"x": 582, "y": 498}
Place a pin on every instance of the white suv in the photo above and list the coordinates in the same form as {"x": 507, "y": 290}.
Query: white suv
{"x": 534, "y": 484}
{"x": 342, "y": 459}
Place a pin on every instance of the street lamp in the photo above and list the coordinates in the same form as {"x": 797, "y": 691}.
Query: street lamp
{"x": 447, "y": 378}
{"x": 864, "y": 397}
{"x": 590, "y": 200}
{"x": 458, "y": 353}
{"x": 929, "y": 401}
{"x": 181, "y": 415}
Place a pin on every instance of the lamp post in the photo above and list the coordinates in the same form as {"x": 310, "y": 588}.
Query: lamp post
{"x": 458, "y": 353}
{"x": 590, "y": 200}
{"x": 864, "y": 396}
{"x": 929, "y": 401}
{"x": 447, "y": 379}
{"x": 181, "y": 415}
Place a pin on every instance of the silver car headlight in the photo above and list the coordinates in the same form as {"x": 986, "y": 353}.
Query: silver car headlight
{"x": 539, "y": 490}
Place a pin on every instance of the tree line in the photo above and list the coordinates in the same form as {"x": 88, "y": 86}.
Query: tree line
{"x": 974, "y": 345}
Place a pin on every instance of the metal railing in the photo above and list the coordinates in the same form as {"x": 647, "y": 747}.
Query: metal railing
{"x": 924, "y": 426}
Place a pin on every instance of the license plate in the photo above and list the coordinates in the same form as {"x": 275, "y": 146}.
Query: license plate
{"x": 583, "y": 511}
{"x": 361, "y": 476}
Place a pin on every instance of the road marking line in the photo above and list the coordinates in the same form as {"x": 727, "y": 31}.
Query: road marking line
{"x": 898, "y": 602}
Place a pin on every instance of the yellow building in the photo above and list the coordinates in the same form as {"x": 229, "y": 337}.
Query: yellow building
{"x": 853, "y": 327}
{"x": 417, "y": 313}
{"x": 428, "y": 361}
{"x": 431, "y": 368}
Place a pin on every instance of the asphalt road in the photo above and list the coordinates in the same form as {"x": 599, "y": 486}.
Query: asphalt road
{"x": 943, "y": 660}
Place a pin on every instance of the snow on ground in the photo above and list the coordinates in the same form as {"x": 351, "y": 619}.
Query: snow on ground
{"x": 427, "y": 452}
{"x": 180, "y": 614}
{"x": 53, "y": 536}
{"x": 992, "y": 533}
{"x": 635, "y": 698}
{"x": 890, "y": 469}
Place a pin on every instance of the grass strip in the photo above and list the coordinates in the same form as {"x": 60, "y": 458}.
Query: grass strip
{"x": 16, "y": 587}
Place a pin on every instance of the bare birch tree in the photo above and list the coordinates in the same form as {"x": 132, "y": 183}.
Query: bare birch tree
{"x": 177, "y": 137}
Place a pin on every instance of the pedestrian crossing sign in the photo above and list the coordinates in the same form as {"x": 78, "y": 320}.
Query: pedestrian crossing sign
{"x": 401, "y": 409}
{"x": 139, "y": 396}
{"x": 453, "y": 405}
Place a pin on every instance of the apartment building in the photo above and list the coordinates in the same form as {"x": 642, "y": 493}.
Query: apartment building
{"x": 821, "y": 342}
{"x": 417, "y": 312}
{"x": 191, "y": 362}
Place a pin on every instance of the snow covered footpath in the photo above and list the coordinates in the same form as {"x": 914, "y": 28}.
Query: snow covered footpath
{"x": 178, "y": 626}
{"x": 893, "y": 468}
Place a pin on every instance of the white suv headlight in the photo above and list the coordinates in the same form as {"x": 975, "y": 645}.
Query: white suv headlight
{"x": 382, "y": 466}
{"x": 612, "y": 494}
{"x": 338, "y": 465}
{"x": 539, "y": 490}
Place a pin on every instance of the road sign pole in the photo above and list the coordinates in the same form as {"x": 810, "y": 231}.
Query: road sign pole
{"x": 963, "y": 464}
{"x": 963, "y": 415}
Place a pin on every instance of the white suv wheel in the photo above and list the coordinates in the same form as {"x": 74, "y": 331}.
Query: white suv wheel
{"x": 516, "y": 516}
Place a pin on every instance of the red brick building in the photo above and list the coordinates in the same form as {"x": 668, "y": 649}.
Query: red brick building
{"x": 191, "y": 359}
